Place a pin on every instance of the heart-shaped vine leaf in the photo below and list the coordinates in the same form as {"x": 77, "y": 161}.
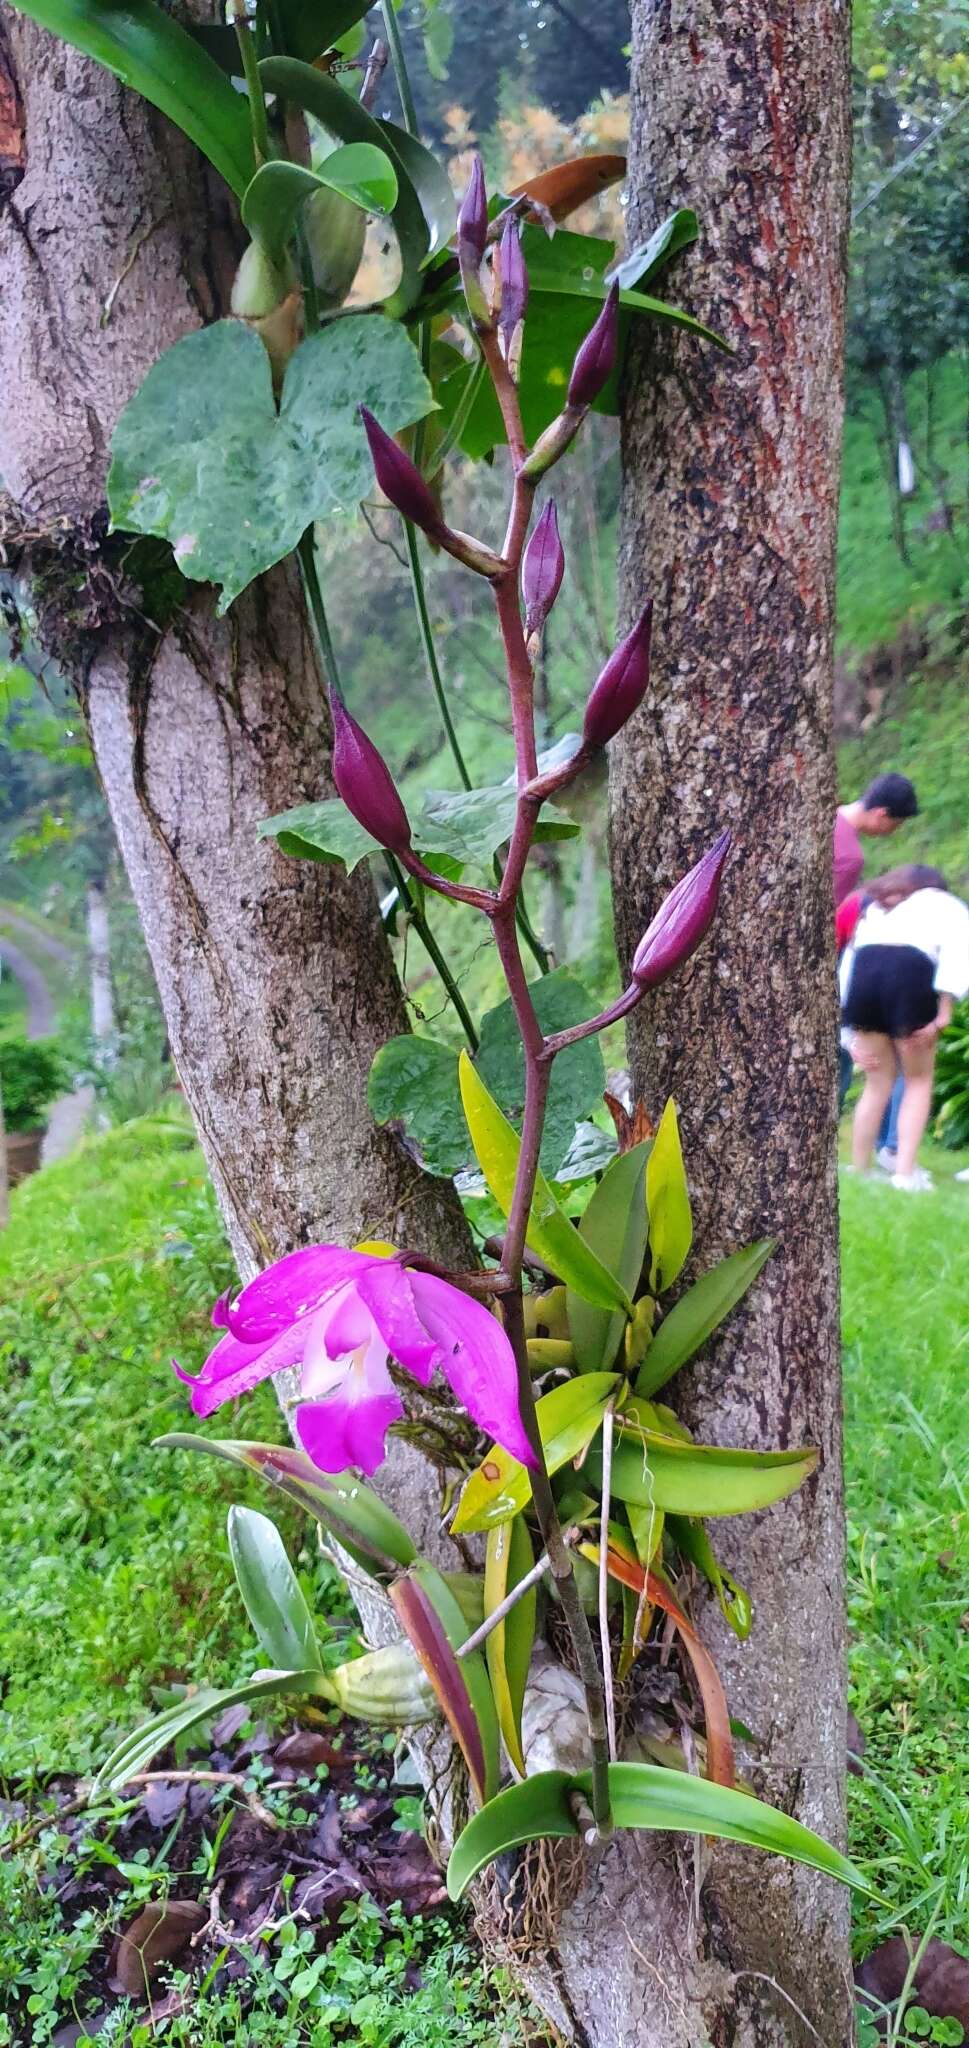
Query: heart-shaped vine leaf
{"x": 202, "y": 458}
{"x": 414, "y": 1082}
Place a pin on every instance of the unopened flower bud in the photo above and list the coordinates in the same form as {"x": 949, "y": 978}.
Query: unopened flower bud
{"x": 543, "y": 568}
{"x": 364, "y": 782}
{"x": 514, "y": 284}
{"x": 683, "y": 919}
{"x": 596, "y": 359}
{"x": 472, "y": 238}
{"x": 622, "y": 685}
{"x": 399, "y": 478}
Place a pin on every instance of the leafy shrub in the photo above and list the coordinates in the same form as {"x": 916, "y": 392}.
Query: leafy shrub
{"x": 951, "y": 1099}
{"x": 31, "y": 1074}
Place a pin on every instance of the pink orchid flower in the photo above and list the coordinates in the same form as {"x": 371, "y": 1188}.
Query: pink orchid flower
{"x": 341, "y": 1316}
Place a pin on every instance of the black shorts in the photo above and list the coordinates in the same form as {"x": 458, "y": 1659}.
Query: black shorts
{"x": 891, "y": 990}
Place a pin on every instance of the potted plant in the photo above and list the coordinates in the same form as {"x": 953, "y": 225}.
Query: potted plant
{"x": 31, "y": 1074}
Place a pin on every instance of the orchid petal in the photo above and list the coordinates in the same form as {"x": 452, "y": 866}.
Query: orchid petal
{"x": 350, "y": 1426}
{"x": 477, "y": 1361}
{"x": 344, "y": 1323}
{"x": 386, "y": 1289}
{"x": 233, "y": 1368}
{"x": 291, "y": 1288}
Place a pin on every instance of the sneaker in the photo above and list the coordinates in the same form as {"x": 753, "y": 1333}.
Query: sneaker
{"x": 917, "y": 1183}
{"x": 963, "y": 1174}
{"x": 887, "y": 1160}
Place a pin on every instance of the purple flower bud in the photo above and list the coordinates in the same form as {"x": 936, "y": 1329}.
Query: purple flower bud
{"x": 542, "y": 569}
{"x": 364, "y": 782}
{"x": 622, "y": 685}
{"x": 683, "y": 919}
{"x": 473, "y": 219}
{"x": 596, "y": 359}
{"x": 514, "y": 282}
{"x": 399, "y": 478}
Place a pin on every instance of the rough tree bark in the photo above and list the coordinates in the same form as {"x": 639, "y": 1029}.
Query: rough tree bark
{"x": 730, "y": 507}
{"x": 275, "y": 977}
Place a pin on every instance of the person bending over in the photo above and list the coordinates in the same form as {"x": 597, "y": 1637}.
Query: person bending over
{"x": 909, "y": 965}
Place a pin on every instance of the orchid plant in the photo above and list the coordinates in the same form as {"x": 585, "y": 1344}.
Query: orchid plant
{"x": 591, "y": 1496}
{"x": 554, "y": 1350}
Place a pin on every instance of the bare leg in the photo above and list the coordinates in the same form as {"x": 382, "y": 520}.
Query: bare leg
{"x": 875, "y": 1055}
{"x": 918, "y": 1062}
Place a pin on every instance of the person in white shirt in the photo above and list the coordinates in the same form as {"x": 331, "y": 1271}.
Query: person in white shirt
{"x": 907, "y": 967}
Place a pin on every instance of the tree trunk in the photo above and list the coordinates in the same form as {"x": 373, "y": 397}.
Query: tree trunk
{"x": 275, "y": 977}
{"x": 104, "y": 1027}
{"x": 729, "y": 522}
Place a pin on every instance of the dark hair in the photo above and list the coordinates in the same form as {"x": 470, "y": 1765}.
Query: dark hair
{"x": 891, "y": 793}
{"x": 904, "y": 881}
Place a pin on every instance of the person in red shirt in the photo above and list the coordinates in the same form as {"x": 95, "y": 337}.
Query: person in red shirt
{"x": 886, "y": 804}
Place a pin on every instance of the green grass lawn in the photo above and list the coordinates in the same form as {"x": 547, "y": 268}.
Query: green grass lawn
{"x": 117, "y": 1553}
{"x": 906, "y": 1366}
{"x": 122, "y": 1582}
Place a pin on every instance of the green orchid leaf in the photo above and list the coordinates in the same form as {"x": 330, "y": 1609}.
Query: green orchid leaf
{"x": 566, "y": 288}
{"x": 692, "y": 1542}
{"x": 202, "y": 458}
{"x": 651, "y": 1469}
{"x": 578, "y": 1075}
{"x": 414, "y": 1081}
{"x": 550, "y": 1234}
{"x": 508, "y": 1649}
{"x": 699, "y": 1312}
{"x": 431, "y": 184}
{"x": 569, "y": 1417}
{"x": 348, "y": 1510}
{"x": 323, "y": 831}
{"x": 614, "y": 1227}
{"x": 641, "y": 264}
{"x": 138, "y": 1748}
{"x": 642, "y": 1796}
{"x": 271, "y": 1592}
{"x": 273, "y": 198}
{"x": 343, "y": 116}
{"x": 310, "y": 26}
{"x": 668, "y": 1202}
{"x": 156, "y": 57}
{"x": 436, "y": 1628}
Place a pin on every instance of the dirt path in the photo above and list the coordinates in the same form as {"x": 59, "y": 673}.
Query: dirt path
{"x": 44, "y": 941}
{"x": 70, "y": 1113}
{"x": 40, "y": 1002}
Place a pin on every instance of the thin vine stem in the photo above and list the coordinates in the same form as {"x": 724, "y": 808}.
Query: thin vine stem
{"x": 399, "y": 66}
{"x": 326, "y": 655}
{"x": 419, "y": 921}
